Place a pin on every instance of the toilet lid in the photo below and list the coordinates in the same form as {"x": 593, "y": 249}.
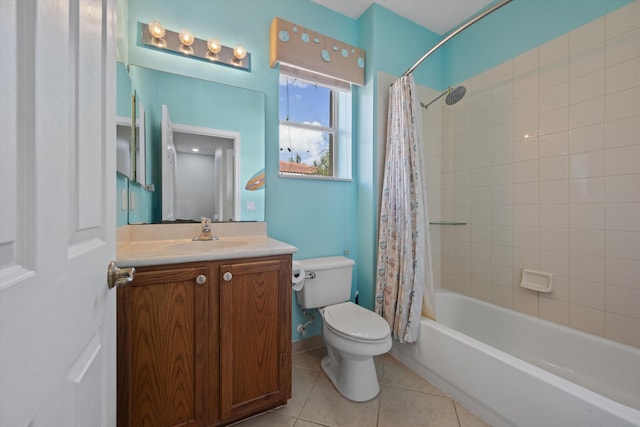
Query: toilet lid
{"x": 352, "y": 320}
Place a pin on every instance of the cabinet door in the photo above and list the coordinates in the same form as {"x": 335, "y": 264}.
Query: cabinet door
{"x": 162, "y": 330}
{"x": 255, "y": 336}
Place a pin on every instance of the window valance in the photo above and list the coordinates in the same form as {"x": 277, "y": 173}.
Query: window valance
{"x": 302, "y": 48}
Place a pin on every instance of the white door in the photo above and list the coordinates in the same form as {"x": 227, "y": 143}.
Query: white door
{"x": 57, "y": 214}
{"x": 169, "y": 165}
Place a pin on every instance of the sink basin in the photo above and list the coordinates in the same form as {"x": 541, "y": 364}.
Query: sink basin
{"x": 206, "y": 245}
{"x": 184, "y": 247}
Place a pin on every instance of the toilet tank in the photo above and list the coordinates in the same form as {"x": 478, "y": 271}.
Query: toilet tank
{"x": 331, "y": 282}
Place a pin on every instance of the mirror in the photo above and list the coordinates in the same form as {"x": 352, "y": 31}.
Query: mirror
{"x": 224, "y": 181}
{"x": 124, "y": 121}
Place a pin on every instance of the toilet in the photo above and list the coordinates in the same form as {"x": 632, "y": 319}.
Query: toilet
{"x": 352, "y": 334}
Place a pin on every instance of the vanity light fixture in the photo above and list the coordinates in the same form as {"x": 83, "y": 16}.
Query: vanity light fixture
{"x": 184, "y": 43}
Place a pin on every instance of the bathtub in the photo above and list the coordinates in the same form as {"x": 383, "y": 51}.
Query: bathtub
{"x": 513, "y": 369}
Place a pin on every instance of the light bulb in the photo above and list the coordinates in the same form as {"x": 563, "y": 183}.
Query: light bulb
{"x": 156, "y": 29}
{"x": 214, "y": 45}
{"x": 239, "y": 52}
{"x": 186, "y": 37}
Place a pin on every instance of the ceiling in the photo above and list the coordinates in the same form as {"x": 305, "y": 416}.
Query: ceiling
{"x": 205, "y": 144}
{"x": 439, "y": 16}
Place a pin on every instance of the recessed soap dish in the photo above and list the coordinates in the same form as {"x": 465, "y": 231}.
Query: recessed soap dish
{"x": 536, "y": 280}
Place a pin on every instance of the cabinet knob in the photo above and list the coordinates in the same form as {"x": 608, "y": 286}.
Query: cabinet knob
{"x": 201, "y": 279}
{"x": 227, "y": 276}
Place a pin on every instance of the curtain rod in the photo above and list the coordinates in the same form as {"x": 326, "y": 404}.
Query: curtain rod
{"x": 454, "y": 33}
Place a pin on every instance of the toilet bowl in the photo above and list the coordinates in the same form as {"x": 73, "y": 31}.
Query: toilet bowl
{"x": 352, "y": 334}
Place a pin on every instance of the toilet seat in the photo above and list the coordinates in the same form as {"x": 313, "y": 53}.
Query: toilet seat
{"x": 356, "y": 323}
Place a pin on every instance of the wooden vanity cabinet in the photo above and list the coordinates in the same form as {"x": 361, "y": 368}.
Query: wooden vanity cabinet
{"x": 255, "y": 336}
{"x": 204, "y": 354}
{"x": 162, "y": 347}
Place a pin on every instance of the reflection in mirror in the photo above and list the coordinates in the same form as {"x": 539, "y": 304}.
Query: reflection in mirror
{"x": 123, "y": 146}
{"x": 194, "y": 157}
{"x": 124, "y": 119}
{"x": 231, "y": 119}
{"x": 130, "y": 146}
{"x": 140, "y": 147}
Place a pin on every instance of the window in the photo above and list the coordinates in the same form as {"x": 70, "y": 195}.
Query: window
{"x": 315, "y": 128}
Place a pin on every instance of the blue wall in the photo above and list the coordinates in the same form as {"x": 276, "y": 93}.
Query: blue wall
{"x": 124, "y": 91}
{"x": 325, "y": 218}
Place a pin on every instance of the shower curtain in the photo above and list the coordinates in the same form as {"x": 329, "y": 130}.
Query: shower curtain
{"x": 404, "y": 274}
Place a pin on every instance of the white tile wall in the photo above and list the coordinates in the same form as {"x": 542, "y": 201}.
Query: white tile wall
{"x": 553, "y": 310}
{"x": 587, "y": 36}
{"x": 542, "y": 159}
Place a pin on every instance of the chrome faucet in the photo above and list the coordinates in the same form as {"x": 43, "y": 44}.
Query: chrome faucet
{"x": 205, "y": 234}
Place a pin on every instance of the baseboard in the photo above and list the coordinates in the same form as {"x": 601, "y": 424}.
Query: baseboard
{"x": 307, "y": 344}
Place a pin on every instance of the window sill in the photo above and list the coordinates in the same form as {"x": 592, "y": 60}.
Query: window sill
{"x": 313, "y": 177}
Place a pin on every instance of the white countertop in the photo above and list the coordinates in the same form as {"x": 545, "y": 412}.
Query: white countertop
{"x": 156, "y": 244}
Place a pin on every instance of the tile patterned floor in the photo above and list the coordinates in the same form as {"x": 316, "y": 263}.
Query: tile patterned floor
{"x": 405, "y": 400}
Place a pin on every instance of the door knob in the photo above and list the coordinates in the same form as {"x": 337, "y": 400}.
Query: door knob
{"x": 201, "y": 279}
{"x": 227, "y": 276}
{"x": 119, "y": 276}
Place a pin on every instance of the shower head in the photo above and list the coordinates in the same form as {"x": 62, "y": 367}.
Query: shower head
{"x": 455, "y": 95}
